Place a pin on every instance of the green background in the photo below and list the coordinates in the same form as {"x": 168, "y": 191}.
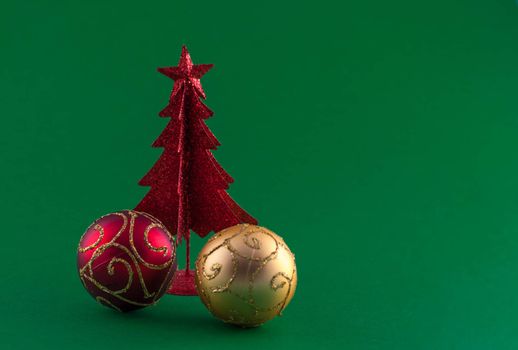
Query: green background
{"x": 378, "y": 138}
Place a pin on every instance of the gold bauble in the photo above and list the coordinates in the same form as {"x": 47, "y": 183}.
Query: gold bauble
{"x": 246, "y": 275}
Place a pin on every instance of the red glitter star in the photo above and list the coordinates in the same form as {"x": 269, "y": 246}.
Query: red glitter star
{"x": 186, "y": 71}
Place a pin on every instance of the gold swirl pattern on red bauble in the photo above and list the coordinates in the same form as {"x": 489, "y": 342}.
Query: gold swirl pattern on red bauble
{"x": 246, "y": 275}
{"x": 129, "y": 257}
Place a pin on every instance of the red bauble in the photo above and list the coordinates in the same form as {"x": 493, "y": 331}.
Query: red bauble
{"x": 126, "y": 260}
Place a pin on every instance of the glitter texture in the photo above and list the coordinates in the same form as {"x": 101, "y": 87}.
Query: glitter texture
{"x": 188, "y": 186}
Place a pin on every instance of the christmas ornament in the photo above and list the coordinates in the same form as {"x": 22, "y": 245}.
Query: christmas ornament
{"x": 126, "y": 260}
{"x": 246, "y": 275}
{"x": 187, "y": 185}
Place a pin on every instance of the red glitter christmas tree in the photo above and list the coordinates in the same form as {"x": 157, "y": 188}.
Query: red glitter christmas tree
{"x": 188, "y": 186}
